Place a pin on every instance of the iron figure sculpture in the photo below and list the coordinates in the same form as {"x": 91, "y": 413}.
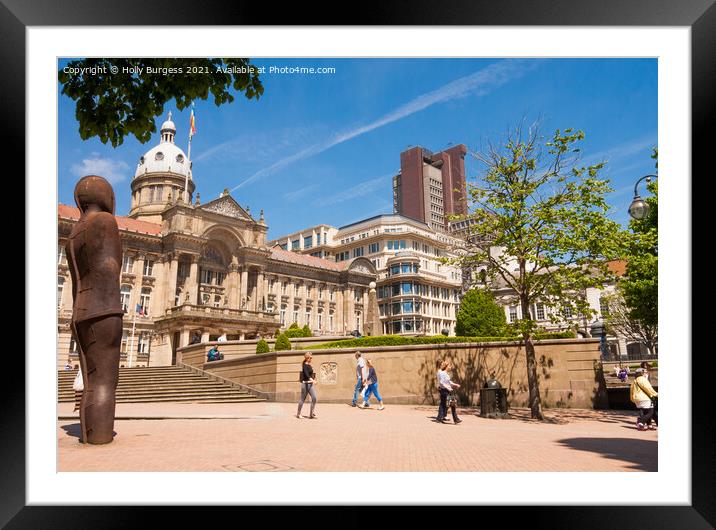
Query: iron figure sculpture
{"x": 94, "y": 254}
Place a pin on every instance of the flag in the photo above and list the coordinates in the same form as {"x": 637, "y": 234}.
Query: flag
{"x": 140, "y": 310}
{"x": 192, "y": 123}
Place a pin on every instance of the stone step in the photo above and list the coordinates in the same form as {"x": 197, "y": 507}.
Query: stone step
{"x": 191, "y": 399}
{"x": 191, "y": 390}
{"x": 163, "y": 384}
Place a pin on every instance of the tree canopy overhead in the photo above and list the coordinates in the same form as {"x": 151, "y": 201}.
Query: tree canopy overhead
{"x": 118, "y": 97}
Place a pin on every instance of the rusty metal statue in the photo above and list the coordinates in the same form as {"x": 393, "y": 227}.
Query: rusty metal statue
{"x": 94, "y": 254}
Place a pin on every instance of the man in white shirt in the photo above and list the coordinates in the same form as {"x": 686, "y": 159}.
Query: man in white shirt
{"x": 361, "y": 376}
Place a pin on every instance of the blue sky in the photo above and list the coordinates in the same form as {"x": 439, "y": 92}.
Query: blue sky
{"x": 323, "y": 148}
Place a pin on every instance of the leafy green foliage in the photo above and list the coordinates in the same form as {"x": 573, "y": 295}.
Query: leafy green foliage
{"x": 640, "y": 284}
{"x": 399, "y": 340}
{"x": 111, "y": 106}
{"x": 262, "y": 347}
{"x": 479, "y": 315}
{"x": 540, "y": 228}
{"x": 294, "y": 331}
{"x": 282, "y": 343}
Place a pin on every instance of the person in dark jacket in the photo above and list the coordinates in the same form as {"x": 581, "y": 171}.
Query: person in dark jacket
{"x": 307, "y": 378}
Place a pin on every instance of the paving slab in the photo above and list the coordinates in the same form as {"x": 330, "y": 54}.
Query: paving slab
{"x": 267, "y": 437}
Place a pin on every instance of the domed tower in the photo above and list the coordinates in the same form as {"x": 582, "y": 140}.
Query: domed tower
{"x": 160, "y": 177}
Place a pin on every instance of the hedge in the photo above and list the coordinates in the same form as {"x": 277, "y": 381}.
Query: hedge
{"x": 282, "y": 343}
{"x": 399, "y": 340}
{"x": 262, "y": 347}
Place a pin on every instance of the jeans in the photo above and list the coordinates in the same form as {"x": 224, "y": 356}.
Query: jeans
{"x": 373, "y": 389}
{"x": 356, "y": 391}
{"x": 306, "y": 389}
{"x": 442, "y": 409}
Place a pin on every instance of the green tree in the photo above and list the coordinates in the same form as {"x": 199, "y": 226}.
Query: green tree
{"x": 640, "y": 284}
{"x": 306, "y": 331}
{"x": 114, "y": 105}
{"x": 480, "y": 316}
{"x": 540, "y": 227}
{"x": 282, "y": 343}
{"x": 262, "y": 347}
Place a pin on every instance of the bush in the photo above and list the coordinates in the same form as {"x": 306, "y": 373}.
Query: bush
{"x": 480, "y": 316}
{"x": 262, "y": 347}
{"x": 399, "y": 340}
{"x": 307, "y": 331}
{"x": 282, "y": 343}
{"x": 294, "y": 331}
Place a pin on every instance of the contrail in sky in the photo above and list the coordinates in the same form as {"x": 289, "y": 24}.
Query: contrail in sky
{"x": 478, "y": 83}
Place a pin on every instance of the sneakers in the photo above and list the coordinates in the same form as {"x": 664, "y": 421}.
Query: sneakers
{"x": 313, "y": 416}
{"x": 299, "y": 416}
{"x": 640, "y": 427}
{"x": 381, "y": 407}
{"x": 365, "y": 405}
{"x": 354, "y": 404}
{"x": 458, "y": 421}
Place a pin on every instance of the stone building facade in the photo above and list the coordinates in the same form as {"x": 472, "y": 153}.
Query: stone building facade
{"x": 198, "y": 271}
{"x": 417, "y": 294}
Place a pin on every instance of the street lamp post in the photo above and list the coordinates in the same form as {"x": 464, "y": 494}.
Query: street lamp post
{"x": 639, "y": 208}
{"x": 598, "y": 329}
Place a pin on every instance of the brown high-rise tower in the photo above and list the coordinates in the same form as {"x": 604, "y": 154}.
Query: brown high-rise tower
{"x": 431, "y": 186}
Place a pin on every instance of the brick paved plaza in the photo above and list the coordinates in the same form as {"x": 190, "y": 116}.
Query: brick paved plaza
{"x": 268, "y": 437}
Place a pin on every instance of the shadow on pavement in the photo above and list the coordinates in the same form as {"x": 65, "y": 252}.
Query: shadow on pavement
{"x": 642, "y": 454}
{"x": 75, "y": 430}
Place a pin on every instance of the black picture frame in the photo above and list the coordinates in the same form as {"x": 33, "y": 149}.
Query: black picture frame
{"x": 699, "y": 15}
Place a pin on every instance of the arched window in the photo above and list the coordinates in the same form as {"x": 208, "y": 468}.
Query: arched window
{"x": 60, "y": 288}
{"x": 124, "y": 293}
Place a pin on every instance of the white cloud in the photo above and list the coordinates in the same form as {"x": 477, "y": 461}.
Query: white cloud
{"x": 359, "y": 190}
{"x": 113, "y": 170}
{"x": 478, "y": 83}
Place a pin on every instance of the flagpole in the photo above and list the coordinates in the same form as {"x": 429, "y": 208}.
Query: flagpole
{"x": 131, "y": 343}
{"x": 188, "y": 155}
{"x": 186, "y": 180}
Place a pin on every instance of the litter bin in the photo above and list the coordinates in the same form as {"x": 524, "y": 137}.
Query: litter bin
{"x": 493, "y": 400}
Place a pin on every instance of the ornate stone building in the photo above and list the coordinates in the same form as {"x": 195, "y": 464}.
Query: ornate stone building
{"x": 195, "y": 270}
{"x": 417, "y": 293}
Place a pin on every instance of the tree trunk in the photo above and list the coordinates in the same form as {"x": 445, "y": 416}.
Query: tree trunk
{"x": 532, "y": 381}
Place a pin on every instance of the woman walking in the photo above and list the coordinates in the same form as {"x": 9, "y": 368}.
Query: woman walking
{"x": 307, "y": 379}
{"x": 372, "y": 387}
{"x": 643, "y": 396}
{"x": 445, "y": 387}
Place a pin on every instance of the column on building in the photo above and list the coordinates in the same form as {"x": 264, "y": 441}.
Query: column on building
{"x": 232, "y": 285}
{"x": 192, "y": 285}
{"x": 171, "y": 270}
{"x": 260, "y": 291}
{"x": 244, "y": 286}
{"x": 347, "y": 309}
{"x": 158, "y": 296}
{"x": 137, "y": 268}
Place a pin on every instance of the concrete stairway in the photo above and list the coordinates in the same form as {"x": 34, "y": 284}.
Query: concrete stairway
{"x": 163, "y": 384}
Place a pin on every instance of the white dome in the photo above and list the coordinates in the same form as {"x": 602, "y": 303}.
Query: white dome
{"x": 163, "y": 158}
{"x": 169, "y": 124}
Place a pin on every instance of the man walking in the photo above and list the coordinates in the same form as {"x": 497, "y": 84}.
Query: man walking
{"x": 361, "y": 376}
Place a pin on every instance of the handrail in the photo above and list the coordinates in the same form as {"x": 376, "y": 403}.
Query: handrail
{"x": 255, "y": 391}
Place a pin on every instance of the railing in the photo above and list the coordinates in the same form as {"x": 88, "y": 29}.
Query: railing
{"x": 223, "y": 312}
{"x": 251, "y": 390}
